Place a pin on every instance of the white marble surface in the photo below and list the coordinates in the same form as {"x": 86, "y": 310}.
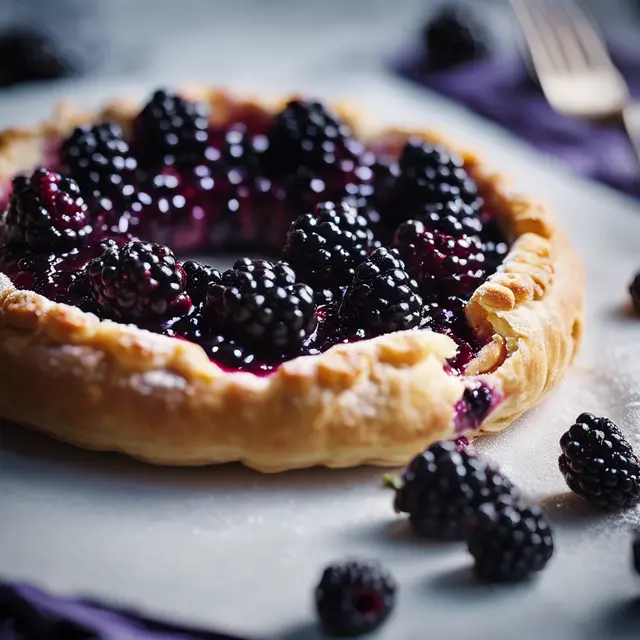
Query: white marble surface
{"x": 230, "y": 548}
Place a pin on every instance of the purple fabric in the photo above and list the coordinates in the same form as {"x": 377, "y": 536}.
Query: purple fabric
{"x": 27, "y": 613}
{"x": 501, "y": 90}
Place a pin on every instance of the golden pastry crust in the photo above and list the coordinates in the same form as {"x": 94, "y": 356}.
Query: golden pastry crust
{"x": 109, "y": 386}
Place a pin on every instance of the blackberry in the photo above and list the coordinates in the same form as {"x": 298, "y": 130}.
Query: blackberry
{"x": 174, "y": 207}
{"x": 211, "y": 208}
{"x": 172, "y": 129}
{"x": 260, "y": 305}
{"x": 354, "y": 598}
{"x": 336, "y": 182}
{"x": 382, "y": 296}
{"x": 429, "y": 174}
{"x": 454, "y": 36}
{"x": 443, "y": 488}
{"x": 454, "y": 218}
{"x": 80, "y": 291}
{"x": 236, "y": 148}
{"x": 305, "y": 134}
{"x": 46, "y": 213}
{"x": 325, "y": 247}
{"x": 635, "y": 549}
{"x": 26, "y": 55}
{"x": 440, "y": 263}
{"x": 160, "y": 203}
{"x": 509, "y": 541}
{"x": 138, "y": 282}
{"x": 380, "y": 186}
{"x": 599, "y": 464}
{"x": 315, "y": 157}
{"x": 102, "y": 163}
{"x": 494, "y": 245}
{"x": 634, "y": 291}
{"x": 251, "y": 214}
{"x": 199, "y": 276}
{"x": 474, "y": 406}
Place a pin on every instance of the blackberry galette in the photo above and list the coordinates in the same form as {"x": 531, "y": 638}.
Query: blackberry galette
{"x": 393, "y": 292}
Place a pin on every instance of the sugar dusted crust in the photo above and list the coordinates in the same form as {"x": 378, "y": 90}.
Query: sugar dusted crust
{"x": 108, "y": 386}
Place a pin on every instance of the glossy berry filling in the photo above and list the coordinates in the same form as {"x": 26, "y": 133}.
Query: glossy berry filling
{"x": 362, "y": 239}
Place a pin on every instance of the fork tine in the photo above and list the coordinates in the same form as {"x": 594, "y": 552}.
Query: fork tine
{"x": 587, "y": 33}
{"x": 544, "y": 47}
{"x": 566, "y": 33}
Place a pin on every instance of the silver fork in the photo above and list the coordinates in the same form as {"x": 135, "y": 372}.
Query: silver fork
{"x": 573, "y": 65}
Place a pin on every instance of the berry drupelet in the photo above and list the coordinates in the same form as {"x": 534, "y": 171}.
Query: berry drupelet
{"x": 139, "y": 282}
{"x": 443, "y": 488}
{"x": 441, "y": 264}
{"x": 382, "y": 296}
{"x": 431, "y": 175}
{"x": 46, "y": 213}
{"x": 509, "y": 541}
{"x": 100, "y": 160}
{"x": 354, "y": 598}
{"x": 599, "y": 464}
{"x": 171, "y": 129}
{"x": 325, "y": 247}
{"x": 260, "y": 305}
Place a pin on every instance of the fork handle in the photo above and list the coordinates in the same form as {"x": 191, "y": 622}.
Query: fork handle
{"x": 631, "y": 121}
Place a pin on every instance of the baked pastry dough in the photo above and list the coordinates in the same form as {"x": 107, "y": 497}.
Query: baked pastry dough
{"x": 109, "y": 386}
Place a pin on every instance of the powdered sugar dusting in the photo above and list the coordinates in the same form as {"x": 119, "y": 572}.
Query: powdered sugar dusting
{"x": 606, "y": 383}
{"x": 152, "y": 381}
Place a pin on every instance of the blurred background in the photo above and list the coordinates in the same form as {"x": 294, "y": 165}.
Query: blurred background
{"x": 170, "y": 40}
